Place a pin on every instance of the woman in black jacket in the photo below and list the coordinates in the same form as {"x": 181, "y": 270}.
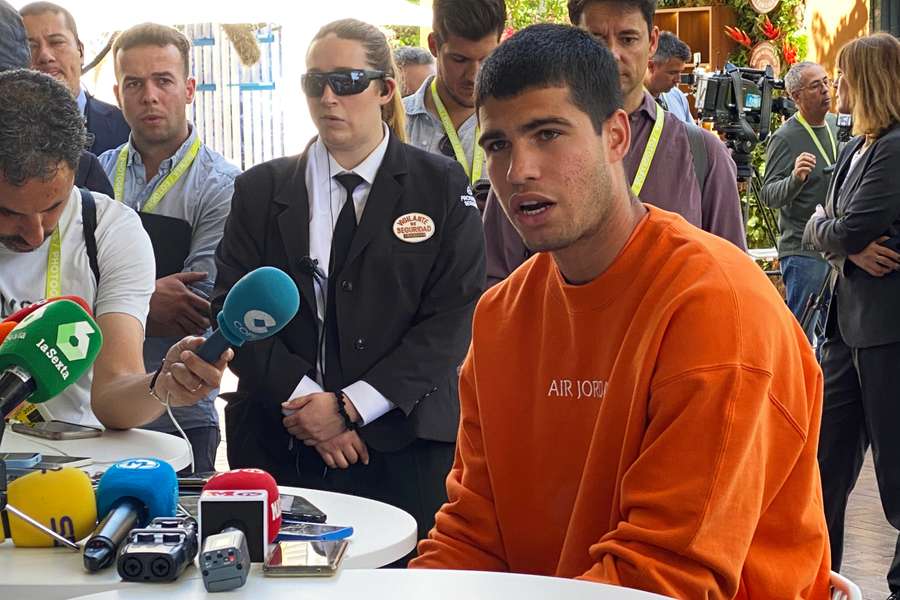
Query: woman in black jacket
{"x": 858, "y": 231}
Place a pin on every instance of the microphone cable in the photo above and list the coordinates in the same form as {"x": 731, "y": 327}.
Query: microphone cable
{"x": 184, "y": 436}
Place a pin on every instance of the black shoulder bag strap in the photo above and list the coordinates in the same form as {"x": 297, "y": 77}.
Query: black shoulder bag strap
{"x": 89, "y": 220}
{"x": 698, "y": 153}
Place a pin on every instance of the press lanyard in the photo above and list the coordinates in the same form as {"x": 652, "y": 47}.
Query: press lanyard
{"x": 649, "y": 151}
{"x": 816, "y": 141}
{"x": 53, "y": 287}
{"x": 477, "y": 153}
{"x": 167, "y": 183}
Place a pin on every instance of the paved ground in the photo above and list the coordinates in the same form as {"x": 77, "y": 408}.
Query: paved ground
{"x": 870, "y": 539}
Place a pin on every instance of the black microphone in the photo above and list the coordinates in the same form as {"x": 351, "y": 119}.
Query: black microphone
{"x": 311, "y": 267}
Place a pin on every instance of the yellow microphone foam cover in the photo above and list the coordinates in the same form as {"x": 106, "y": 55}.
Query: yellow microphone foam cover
{"x": 61, "y": 500}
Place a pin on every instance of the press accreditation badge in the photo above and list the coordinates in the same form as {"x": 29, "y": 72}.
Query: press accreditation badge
{"x": 414, "y": 228}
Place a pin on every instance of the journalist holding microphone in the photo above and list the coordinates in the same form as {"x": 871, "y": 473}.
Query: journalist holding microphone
{"x": 358, "y": 393}
{"x": 56, "y": 239}
{"x": 858, "y": 231}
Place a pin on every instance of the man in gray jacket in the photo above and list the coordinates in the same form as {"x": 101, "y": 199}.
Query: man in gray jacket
{"x": 796, "y": 180}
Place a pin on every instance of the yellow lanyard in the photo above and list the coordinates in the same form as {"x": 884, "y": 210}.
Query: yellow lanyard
{"x": 649, "y": 152}
{"x": 53, "y": 286}
{"x": 477, "y": 152}
{"x": 816, "y": 141}
{"x": 167, "y": 183}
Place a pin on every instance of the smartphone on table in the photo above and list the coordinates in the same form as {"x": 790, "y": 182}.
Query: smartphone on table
{"x": 298, "y": 509}
{"x": 313, "y": 532}
{"x": 305, "y": 559}
{"x": 57, "y": 430}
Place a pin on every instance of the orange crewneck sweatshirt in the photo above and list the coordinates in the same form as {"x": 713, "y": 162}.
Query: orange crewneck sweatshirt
{"x": 655, "y": 428}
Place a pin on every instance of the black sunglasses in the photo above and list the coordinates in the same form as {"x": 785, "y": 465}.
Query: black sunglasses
{"x": 342, "y": 83}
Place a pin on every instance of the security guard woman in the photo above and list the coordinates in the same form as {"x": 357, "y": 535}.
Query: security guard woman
{"x": 358, "y": 394}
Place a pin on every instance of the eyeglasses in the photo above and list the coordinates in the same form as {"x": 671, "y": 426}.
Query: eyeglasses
{"x": 342, "y": 83}
{"x": 818, "y": 85}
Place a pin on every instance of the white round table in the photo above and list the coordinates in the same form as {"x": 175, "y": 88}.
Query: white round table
{"x": 109, "y": 448}
{"x": 389, "y": 584}
{"x": 381, "y": 535}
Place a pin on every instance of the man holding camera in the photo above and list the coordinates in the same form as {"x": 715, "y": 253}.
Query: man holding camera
{"x": 440, "y": 116}
{"x": 798, "y": 158}
{"x": 670, "y": 164}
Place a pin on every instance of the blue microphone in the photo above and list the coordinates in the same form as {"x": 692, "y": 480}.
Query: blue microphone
{"x": 130, "y": 494}
{"x": 259, "y": 305}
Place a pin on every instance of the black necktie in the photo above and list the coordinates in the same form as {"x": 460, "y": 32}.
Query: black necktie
{"x": 341, "y": 239}
{"x": 662, "y": 102}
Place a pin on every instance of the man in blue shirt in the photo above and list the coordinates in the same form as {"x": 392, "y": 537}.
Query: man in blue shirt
{"x": 664, "y": 72}
{"x": 177, "y": 183}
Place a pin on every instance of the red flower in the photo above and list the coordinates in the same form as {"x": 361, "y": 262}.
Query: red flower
{"x": 789, "y": 52}
{"x": 507, "y": 33}
{"x": 770, "y": 31}
{"x": 739, "y": 36}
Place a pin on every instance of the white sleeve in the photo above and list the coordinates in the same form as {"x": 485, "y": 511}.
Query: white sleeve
{"x": 369, "y": 402}
{"x": 126, "y": 261}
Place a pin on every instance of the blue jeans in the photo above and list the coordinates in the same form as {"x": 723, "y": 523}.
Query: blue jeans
{"x": 803, "y": 277}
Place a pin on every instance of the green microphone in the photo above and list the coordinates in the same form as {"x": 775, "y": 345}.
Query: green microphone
{"x": 47, "y": 352}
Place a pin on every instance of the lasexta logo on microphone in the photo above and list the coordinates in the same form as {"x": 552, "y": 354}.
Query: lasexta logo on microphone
{"x": 74, "y": 339}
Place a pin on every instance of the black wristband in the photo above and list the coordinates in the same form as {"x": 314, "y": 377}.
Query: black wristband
{"x": 153, "y": 381}
{"x": 342, "y": 410}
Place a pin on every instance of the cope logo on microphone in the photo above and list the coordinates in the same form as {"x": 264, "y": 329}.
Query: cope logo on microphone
{"x": 256, "y": 322}
{"x": 138, "y": 463}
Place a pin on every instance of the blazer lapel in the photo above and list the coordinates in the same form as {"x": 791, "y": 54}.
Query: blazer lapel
{"x": 836, "y": 187}
{"x": 293, "y": 223}
{"x": 383, "y": 197}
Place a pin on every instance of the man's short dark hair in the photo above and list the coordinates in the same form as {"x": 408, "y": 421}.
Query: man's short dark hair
{"x": 36, "y": 9}
{"x": 152, "y": 34}
{"x": 40, "y": 127}
{"x": 544, "y": 56}
{"x": 14, "y": 50}
{"x": 647, "y": 8}
{"x": 412, "y": 55}
{"x": 469, "y": 19}
{"x": 671, "y": 47}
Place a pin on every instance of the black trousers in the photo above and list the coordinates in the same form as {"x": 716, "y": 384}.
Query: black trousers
{"x": 204, "y": 442}
{"x": 412, "y": 479}
{"x": 862, "y": 407}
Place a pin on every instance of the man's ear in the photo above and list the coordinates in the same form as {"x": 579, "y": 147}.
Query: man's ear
{"x": 654, "y": 40}
{"x": 190, "y": 87}
{"x": 616, "y": 136}
{"x": 433, "y": 44}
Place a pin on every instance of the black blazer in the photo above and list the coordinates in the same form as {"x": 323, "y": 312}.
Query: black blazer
{"x": 404, "y": 310}
{"x": 106, "y": 123}
{"x": 861, "y": 206}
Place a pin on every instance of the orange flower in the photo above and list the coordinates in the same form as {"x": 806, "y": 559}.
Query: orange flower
{"x": 770, "y": 31}
{"x": 789, "y": 52}
{"x": 739, "y": 36}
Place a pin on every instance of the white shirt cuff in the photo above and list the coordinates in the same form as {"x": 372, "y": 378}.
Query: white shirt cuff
{"x": 306, "y": 386}
{"x": 369, "y": 403}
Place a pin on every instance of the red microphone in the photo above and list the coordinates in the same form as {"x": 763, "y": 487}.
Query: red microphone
{"x": 244, "y": 499}
{"x": 20, "y": 314}
{"x": 5, "y": 328}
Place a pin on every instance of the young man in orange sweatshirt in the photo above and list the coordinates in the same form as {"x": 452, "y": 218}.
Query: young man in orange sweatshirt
{"x": 638, "y": 405}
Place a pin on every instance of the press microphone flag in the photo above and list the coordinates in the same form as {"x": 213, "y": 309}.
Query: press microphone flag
{"x": 259, "y": 305}
{"x": 47, "y": 352}
{"x": 130, "y": 494}
{"x": 61, "y": 500}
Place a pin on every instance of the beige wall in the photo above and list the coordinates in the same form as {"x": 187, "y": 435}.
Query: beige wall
{"x": 831, "y": 24}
